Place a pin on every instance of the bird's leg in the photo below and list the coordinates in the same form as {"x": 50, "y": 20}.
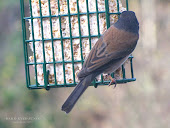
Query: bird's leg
{"x": 113, "y": 80}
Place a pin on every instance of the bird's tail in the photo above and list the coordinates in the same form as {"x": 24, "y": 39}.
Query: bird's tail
{"x": 77, "y": 92}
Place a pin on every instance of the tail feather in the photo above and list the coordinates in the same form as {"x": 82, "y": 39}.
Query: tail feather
{"x": 77, "y": 92}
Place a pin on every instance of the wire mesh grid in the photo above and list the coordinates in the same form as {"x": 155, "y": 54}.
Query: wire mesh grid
{"x": 31, "y": 67}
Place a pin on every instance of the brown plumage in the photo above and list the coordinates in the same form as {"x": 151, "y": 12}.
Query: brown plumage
{"x": 108, "y": 54}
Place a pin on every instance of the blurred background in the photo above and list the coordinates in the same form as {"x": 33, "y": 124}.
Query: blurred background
{"x": 144, "y": 103}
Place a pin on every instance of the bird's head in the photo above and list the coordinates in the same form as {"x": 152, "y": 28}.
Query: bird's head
{"x": 128, "y": 22}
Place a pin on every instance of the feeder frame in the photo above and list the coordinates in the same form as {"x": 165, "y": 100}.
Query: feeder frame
{"x": 46, "y": 85}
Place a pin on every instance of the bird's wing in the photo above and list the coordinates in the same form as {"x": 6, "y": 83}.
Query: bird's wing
{"x": 113, "y": 45}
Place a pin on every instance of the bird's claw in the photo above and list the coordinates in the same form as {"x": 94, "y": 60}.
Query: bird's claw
{"x": 113, "y": 81}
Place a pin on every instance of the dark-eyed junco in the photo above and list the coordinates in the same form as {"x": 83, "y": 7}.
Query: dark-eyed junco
{"x": 108, "y": 54}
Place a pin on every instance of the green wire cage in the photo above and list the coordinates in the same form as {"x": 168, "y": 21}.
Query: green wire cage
{"x": 56, "y": 34}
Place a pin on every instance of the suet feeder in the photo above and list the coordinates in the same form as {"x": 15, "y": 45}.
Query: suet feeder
{"x": 58, "y": 35}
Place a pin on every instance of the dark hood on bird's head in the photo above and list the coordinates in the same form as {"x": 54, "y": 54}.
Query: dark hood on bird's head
{"x": 128, "y": 22}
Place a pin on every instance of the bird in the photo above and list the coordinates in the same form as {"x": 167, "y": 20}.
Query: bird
{"x": 111, "y": 50}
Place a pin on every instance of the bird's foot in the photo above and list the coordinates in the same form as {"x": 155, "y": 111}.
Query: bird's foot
{"x": 113, "y": 81}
